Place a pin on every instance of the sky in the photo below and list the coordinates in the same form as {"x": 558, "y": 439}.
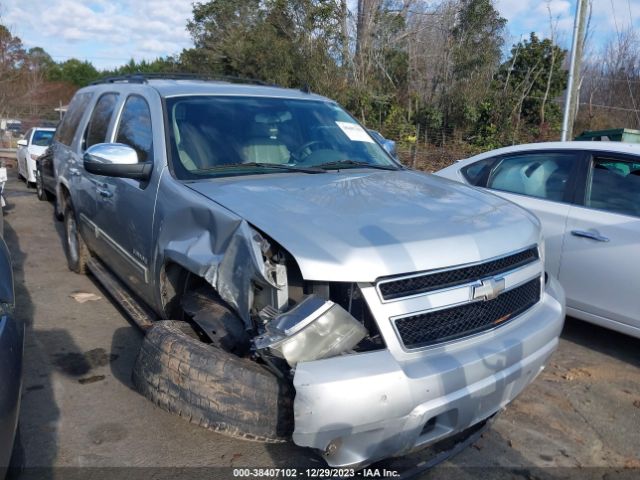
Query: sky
{"x": 607, "y": 18}
{"x": 110, "y": 32}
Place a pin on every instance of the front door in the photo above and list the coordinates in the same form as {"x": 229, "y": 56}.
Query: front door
{"x": 84, "y": 183}
{"x": 124, "y": 207}
{"x": 600, "y": 266}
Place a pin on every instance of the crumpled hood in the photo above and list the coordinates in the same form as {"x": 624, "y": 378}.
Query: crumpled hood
{"x": 37, "y": 149}
{"x": 357, "y": 226}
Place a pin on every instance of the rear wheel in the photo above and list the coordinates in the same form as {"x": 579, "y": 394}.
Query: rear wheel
{"x": 75, "y": 248}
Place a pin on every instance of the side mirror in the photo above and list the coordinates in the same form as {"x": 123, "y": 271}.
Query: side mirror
{"x": 23, "y": 143}
{"x": 116, "y": 160}
{"x": 390, "y": 147}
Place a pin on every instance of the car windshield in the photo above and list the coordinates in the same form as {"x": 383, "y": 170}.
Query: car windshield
{"x": 226, "y": 135}
{"x": 42, "y": 138}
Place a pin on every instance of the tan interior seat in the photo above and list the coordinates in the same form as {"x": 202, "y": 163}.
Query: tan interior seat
{"x": 263, "y": 146}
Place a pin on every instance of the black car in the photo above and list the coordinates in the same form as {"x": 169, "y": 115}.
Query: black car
{"x": 11, "y": 351}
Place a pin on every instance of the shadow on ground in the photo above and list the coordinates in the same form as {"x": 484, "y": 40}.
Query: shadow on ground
{"x": 607, "y": 342}
{"x": 39, "y": 412}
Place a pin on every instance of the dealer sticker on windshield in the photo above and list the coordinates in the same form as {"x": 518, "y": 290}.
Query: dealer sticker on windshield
{"x": 355, "y": 132}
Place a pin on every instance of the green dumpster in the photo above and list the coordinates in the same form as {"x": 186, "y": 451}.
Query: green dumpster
{"x": 625, "y": 135}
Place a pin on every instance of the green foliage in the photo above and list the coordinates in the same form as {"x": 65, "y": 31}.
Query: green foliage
{"x": 486, "y": 133}
{"x": 290, "y": 43}
{"x": 467, "y": 93}
{"x": 39, "y": 60}
{"x": 477, "y": 49}
{"x": 398, "y": 126}
{"x": 74, "y": 71}
{"x": 159, "y": 65}
{"x": 534, "y": 66}
{"x": 478, "y": 35}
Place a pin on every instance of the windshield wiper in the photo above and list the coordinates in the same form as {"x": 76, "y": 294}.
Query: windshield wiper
{"x": 355, "y": 164}
{"x": 279, "y": 166}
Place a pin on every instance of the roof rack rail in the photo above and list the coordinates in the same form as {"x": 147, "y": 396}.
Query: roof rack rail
{"x": 140, "y": 77}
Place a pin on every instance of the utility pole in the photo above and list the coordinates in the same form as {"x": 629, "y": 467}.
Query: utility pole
{"x": 571, "y": 101}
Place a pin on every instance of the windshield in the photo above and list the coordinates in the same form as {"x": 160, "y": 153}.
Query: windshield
{"x": 42, "y": 138}
{"x": 222, "y": 136}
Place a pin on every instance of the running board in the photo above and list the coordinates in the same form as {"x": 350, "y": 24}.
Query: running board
{"x": 137, "y": 312}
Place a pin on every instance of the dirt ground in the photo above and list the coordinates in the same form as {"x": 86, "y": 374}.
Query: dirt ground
{"x": 81, "y": 417}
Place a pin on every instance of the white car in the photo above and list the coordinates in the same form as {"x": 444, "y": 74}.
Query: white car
{"x": 587, "y": 197}
{"x": 30, "y": 147}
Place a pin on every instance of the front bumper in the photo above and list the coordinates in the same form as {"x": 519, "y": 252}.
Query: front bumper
{"x": 31, "y": 169}
{"x": 364, "y": 407}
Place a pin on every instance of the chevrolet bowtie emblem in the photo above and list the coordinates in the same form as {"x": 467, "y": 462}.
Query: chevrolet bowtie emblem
{"x": 488, "y": 289}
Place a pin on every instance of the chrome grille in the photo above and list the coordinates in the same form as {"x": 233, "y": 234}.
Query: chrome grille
{"x": 451, "y": 323}
{"x": 429, "y": 282}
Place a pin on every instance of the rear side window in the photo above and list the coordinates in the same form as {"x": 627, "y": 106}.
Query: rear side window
{"x": 541, "y": 175}
{"x": 135, "y": 127}
{"x": 99, "y": 123}
{"x": 614, "y": 186}
{"x": 67, "y": 128}
{"x": 478, "y": 172}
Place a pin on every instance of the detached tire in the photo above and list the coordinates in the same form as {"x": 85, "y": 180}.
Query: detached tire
{"x": 212, "y": 388}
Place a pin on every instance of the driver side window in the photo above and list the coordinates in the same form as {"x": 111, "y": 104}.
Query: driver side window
{"x": 96, "y": 131}
{"x": 134, "y": 128}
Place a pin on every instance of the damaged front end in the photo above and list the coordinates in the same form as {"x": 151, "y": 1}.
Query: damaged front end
{"x": 362, "y": 392}
{"x": 299, "y": 321}
{"x": 314, "y": 329}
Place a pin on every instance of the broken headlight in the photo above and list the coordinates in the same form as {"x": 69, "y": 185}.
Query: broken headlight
{"x": 315, "y": 328}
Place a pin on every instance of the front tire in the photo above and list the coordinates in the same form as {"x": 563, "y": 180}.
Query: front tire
{"x": 75, "y": 248}
{"x": 43, "y": 195}
{"x": 212, "y": 388}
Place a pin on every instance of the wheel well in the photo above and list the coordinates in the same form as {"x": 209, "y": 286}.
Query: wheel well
{"x": 175, "y": 280}
{"x": 64, "y": 197}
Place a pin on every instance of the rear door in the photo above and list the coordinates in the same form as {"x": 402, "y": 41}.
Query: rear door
{"x": 600, "y": 268}
{"x": 540, "y": 181}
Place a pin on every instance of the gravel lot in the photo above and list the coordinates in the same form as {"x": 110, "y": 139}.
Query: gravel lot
{"x": 580, "y": 419}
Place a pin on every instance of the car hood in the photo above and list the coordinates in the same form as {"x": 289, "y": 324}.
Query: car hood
{"x": 37, "y": 149}
{"x": 360, "y": 225}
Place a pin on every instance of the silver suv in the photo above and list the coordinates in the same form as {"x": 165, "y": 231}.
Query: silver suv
{"x": 295, "y": 281}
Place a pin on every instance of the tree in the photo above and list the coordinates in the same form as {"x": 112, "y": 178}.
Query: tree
{"x": 159, "y": 65}
{"x": 290, "y": 43}
{"x": 12, "y": 56}
{"x": 12, "y": 53}
{"x": 74, "y": 71}
{"x": 477, "y": 37}
{"x": 532, "y": 75}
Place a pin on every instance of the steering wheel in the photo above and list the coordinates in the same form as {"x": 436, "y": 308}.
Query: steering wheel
{"x": 303, "y": 152}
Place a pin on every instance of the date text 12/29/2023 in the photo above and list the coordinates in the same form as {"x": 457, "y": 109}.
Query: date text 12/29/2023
{"x": 314, "y": 473}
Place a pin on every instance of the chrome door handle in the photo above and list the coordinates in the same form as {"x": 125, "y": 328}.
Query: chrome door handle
{"x": 590, "y": 235}
{"x": 105, "y": 193}
{"x": 74, "y": 171}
